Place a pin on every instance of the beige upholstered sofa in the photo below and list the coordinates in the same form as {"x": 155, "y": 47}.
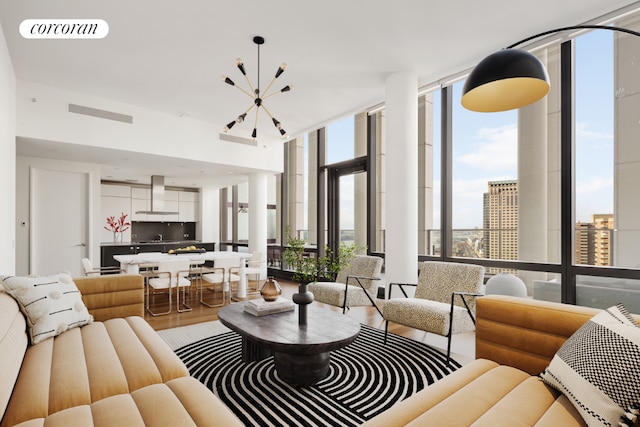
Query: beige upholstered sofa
{"x": 115, "y": 371}
{"x": 516, "y": 339}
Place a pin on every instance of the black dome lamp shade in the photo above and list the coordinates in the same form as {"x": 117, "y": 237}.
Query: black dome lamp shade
{"x": 505, "y": 80}
{"x": 513, "y": 78}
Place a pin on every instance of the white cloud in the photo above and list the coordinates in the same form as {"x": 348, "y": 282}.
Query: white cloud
{"x": 585, "y": 135}
{"x": 594, "y": 185}
{"x": 494, "y": 149}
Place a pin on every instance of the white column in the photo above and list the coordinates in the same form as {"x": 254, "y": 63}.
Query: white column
{"x": 532, "y": 187}
{"x": 360, "y": 182}
{"x": 401, "y": 251}
{"x": 209, "y": 216}
{"x": 626, "y": 162}
{"x": 258, "y": 217}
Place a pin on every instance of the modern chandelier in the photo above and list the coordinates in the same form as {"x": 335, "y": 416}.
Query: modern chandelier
{"x": 257, "y": 95}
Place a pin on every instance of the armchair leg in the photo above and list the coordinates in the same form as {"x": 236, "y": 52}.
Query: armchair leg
{"x": 449, "y": 346}
{"x": 386, "y": 331}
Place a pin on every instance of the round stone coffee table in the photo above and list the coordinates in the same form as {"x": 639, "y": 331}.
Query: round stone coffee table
{"x": 301, "y": 353}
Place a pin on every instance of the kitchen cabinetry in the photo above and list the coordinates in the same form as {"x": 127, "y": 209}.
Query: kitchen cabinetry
{"x": 140, "y": 201}
{"x": 187, "y": 206}
{"x": 183, "y": 202}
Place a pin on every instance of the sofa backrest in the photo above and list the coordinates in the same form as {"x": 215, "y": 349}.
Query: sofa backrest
{"x": 112, "y": 295}
{"x": 13, "y": 345}
{"x": 525, "y": 333}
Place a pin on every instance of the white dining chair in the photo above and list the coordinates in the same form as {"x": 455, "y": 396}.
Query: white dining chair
{"x": 170, "y": 275}
{"x": 221, "y": 275}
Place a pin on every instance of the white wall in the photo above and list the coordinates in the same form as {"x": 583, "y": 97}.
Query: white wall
{"x": 151, "y": 132}
{"x": 23, "y": 165}
{"x": 7, "y": 160}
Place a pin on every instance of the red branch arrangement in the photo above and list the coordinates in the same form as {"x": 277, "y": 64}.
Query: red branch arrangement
{"x": 117, "y": 226}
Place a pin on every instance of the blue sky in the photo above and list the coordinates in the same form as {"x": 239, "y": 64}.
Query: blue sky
{"x": 485, "y": 144}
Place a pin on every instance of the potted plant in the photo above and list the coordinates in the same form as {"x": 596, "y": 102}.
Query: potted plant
{"x": 307, "y": 268}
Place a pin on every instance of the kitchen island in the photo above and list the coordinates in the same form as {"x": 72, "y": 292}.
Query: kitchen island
{"x": 131, "y": 263}
{"x": 108, "y": 250}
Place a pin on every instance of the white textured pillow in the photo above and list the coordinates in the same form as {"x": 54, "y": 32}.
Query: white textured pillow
{"x": 598, "y": 368}
{"x": 51, "y": 304}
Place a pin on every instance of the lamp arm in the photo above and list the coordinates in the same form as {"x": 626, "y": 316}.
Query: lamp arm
{"x": 576, "y": 27}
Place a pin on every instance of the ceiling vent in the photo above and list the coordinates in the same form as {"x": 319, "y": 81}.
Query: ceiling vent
{"x": 238, "y": 140}
{"x": 102, "y": 114}
{"x": 157, "y": 198}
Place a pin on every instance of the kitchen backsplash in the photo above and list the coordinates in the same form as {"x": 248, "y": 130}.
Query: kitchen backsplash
{"x": 145, "y": 231}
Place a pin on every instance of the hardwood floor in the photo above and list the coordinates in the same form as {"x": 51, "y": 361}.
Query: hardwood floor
{"x": 463, "y": 345}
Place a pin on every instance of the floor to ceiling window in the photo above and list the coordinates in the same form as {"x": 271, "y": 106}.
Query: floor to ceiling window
{"x": 607, "y": 164}
{"x": 429, "y": 171}
{"x": 509, "y": 175}
{"x": 485, "y": 183}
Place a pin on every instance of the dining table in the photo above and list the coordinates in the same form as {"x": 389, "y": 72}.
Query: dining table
{"x": 131, "y": 263}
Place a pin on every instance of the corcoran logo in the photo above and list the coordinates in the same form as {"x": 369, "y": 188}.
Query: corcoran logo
{"x": 64, "y": 29}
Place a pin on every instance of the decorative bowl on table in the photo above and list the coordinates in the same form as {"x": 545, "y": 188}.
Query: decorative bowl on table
{"x": 186, "y": 250}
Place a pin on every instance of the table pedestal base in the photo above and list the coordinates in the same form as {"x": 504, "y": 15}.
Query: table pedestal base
{"x": 294, "y": 369}
{"x": 302, "y": 369}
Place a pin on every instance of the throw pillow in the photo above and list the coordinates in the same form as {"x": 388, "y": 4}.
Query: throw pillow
{"x": 51, "y": 304}
{"x": 598, "y": 368}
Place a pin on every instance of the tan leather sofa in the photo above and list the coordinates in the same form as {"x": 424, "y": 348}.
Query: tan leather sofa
{"x": 516, "y": 339}
{"x": 114, "y": 372}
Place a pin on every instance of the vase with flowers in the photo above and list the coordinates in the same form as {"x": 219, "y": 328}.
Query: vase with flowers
{"x": 117, "y": 226}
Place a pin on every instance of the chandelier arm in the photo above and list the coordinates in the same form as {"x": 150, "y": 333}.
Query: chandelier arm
{"x": 267, "y": 111}
{"x": 244, "y": 91}
{"x": 269, "y": 86}
{"x": 250, "y": 108}
{"x": 276, "y": 123}
{"x": 270, "y": 95}
{"x": 255, "y": 125}
{"x": 576, "y": 27}
{"x": 252, "y": 95}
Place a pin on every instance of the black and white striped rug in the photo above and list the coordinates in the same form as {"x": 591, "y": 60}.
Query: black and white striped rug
{"x": 365, "y": 378}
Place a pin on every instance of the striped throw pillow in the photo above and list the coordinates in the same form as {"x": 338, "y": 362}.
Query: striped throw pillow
{"x": 598, "y": 369}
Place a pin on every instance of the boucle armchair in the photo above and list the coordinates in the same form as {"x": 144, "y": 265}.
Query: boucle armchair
{"x": 441, "y": 304}
{"x": 355, "y": 286}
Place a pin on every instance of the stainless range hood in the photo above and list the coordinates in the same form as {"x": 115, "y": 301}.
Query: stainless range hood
{"x": 157, "y": 198}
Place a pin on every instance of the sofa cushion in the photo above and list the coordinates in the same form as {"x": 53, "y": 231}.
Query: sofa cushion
{"x": 180, "y": 402}
{"x": 482, "y": 393}
{"x": 51, "y": 304}
{"x": 597, "y": 367}
{"x": 13, "y": 345}
{"x": 88, "y": 364}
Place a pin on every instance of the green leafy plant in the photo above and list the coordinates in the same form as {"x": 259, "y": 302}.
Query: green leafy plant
{"x": 308, "y": 268}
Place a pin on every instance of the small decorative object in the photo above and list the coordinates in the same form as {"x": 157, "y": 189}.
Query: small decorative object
{"x": 270, "y": 290}
{"x": 117, "y": 226}
{"x": 302, "y": 298}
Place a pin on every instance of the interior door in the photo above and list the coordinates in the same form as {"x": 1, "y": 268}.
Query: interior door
{"x": 59, "y": 210}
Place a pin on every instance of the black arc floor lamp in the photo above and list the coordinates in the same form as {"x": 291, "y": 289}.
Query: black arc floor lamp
{"x": 257, "y": 95}
{"x": 513, "y": 78}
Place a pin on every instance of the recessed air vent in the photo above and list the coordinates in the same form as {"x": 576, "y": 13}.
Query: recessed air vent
{"x": 102, "y": 114}
{"x": 238, "y": 140}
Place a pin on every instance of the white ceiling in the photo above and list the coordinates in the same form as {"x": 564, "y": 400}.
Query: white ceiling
{"x": 169, "y": 55}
